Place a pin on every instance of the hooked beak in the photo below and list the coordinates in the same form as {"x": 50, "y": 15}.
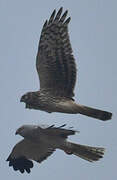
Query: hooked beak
{"x": 16, "y": 132}
{"x": 22, "y": 100}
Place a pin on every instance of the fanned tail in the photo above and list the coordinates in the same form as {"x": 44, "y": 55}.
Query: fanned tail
{"x": 85, "y": 152}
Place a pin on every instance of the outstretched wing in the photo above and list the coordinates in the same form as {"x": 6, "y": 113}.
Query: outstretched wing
{"x": 55, "y": 62}
{"x": 25, "y": 151}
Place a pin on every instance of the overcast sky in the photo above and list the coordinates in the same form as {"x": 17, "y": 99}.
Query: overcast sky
{"x": 92, "y": 30}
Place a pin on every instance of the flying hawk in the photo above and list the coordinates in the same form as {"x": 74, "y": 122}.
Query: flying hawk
{"x": 41, "y": 141}
{"x": 56, "y": 68}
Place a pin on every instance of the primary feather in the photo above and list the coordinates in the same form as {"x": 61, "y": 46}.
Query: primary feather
{"x": 56, "y": 68}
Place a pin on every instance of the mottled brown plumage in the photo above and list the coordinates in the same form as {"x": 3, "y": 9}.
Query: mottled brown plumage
{"x": 56, "y": 68}
{"x": 55, "y": 63}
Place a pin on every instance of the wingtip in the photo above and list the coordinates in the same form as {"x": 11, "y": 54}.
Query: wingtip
{"x": 53, "y": 13}
{"x": 61, "y": 9}
{"x": 66, "y": 12}
{"x": 62, "y": 126}
{"x": 45, "y": 24}
{"x": 67, "y": 21}
{"x": 8, "y": 159}
{"x": 22, "y": 164}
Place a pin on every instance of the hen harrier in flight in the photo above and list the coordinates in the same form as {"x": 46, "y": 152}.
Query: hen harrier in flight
{"x": 41, "y": 141}
{"x": 56, "y": 68}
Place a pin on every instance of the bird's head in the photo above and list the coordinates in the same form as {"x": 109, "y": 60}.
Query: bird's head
{"x": 30, "y": 99}
{"x": 26, "y": 97}
{"x": 26, "y": 131}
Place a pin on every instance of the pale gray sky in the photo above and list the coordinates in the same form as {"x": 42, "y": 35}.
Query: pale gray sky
{"x": 92, "y": 32}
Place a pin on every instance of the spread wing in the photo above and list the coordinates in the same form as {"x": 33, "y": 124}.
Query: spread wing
{"x": 25, "y": 151}
{"x": 55, "y": 62}
{"x": 58, "y": 131}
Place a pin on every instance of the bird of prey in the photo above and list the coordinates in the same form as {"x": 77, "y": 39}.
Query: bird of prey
{"x": 41, "y": 141}
{"x": 56, "y": 68}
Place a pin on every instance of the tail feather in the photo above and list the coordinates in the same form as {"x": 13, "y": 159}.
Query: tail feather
{"x": 94, "y": 113}
{"x": 85, "y": 152}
